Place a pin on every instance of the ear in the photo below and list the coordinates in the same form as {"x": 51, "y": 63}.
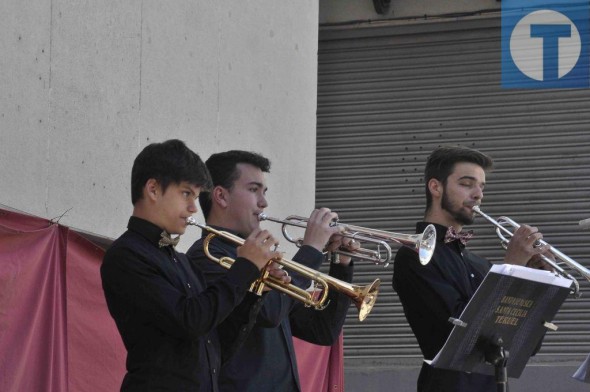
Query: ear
{"x": 152, "y": 189}
{"x": 219, "y": 196}
{"x": 436, "y": 188}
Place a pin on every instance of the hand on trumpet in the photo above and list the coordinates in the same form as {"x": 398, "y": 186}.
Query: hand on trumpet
{"x": 338, "y": 242}
{"x": 521, "y": 248}
{"x": 320, "y": 228}
{"x": 536, "y": 262}
{"x": 259, "y": 248}
{"x": 276, "y": 270}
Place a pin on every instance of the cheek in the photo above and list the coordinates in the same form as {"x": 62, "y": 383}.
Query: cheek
{"x": 249, "y": 200}
{"x": 464, "y": 194}
{"x": 455, "y": 197}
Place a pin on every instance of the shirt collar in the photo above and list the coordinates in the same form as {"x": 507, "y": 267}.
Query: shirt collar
{"x": 145, "y": 228}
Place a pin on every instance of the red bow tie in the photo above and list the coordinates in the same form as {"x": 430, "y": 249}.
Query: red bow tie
{"x": 463, "y": 236}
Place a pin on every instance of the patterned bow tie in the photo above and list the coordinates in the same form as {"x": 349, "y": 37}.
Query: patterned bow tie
{"x": 463, "y": 236}
{"x": 166, "y": 240}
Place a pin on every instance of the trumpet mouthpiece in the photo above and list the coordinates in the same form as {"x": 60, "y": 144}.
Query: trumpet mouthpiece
{"x": 262, "y": 216}
{"x": 193, "y": 222}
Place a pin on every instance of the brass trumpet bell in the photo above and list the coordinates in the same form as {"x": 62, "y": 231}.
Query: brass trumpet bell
{"x": 364, "y": 297}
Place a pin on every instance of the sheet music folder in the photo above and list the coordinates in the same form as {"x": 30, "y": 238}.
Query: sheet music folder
{"x": 513, "y": 303}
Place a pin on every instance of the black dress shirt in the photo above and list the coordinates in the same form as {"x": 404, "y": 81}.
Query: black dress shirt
{"x": 166, "y": 316}
{"x": 266, "y": 361}
{"x": 430, "y": 295}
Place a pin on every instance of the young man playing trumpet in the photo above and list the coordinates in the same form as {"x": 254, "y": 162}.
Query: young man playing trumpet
{"x": 455, "y": 178}
{"x": 165, "y": 314}
{"x": 266, "y": 361}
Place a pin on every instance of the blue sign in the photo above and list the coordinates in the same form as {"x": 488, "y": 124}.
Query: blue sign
{"x": 545, "y": 44}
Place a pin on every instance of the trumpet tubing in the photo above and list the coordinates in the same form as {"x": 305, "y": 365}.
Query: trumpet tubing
{"x": 363, "y": 297}
{"x": 257, "y": 286}
{"x": 423, "y": 243}
{"x": 502, "y": 232}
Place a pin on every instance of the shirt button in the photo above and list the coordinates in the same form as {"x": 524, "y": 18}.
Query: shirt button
{"x": 214, "y": 370}
{"x": 189, "y": 285}
{"x": 209, "y": 341}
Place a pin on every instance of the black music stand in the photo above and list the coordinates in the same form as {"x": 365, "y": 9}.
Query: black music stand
{"x": 498, "y": 357}
{"x": 504, "y": 323}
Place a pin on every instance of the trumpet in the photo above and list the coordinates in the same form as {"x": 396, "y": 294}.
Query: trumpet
{"x": 423, "y": 243}
{"x": 363, "y": 297}
{"x": 570, "y": 263}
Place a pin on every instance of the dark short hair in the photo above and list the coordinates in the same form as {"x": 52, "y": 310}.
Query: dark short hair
{"x": 442, "y": 160}
{"x": 224, "y": 171}
{"x": 169, "y": 162}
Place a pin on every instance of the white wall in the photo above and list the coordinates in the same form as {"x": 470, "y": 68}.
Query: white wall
{"x": 85, "y": 85}
{"x": 342, "y": 11}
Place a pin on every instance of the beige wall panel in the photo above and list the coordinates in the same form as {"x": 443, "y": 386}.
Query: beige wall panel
{"x": 86, "y": 85}
{"x": 95, "y": 95}
{"x": 24, "y": 103}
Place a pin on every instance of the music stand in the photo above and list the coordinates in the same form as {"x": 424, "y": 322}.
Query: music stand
{"x": 504, "y": 322}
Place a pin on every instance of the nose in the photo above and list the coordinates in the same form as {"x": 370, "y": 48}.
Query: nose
{"x": 262, "y": 203}
{"x": 192, "y": 207}
{"x": 478, "y": 195}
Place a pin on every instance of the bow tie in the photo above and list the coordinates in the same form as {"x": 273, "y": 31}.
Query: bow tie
{"x": 463, "y": 236}
{"x": 166, "y": 240}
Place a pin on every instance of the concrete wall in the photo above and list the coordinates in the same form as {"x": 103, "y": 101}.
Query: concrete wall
{"x": 85, "y": 85}
{"x": 343, "y": 11}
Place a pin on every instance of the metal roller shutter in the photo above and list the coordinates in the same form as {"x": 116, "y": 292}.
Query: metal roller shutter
{"x": 387, "y": 96}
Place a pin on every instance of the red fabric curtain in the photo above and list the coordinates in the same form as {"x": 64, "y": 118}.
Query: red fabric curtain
{"x": 56, "y": 334}
{"x": 320, "y": 367}
{"x": 55, "y": 331}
